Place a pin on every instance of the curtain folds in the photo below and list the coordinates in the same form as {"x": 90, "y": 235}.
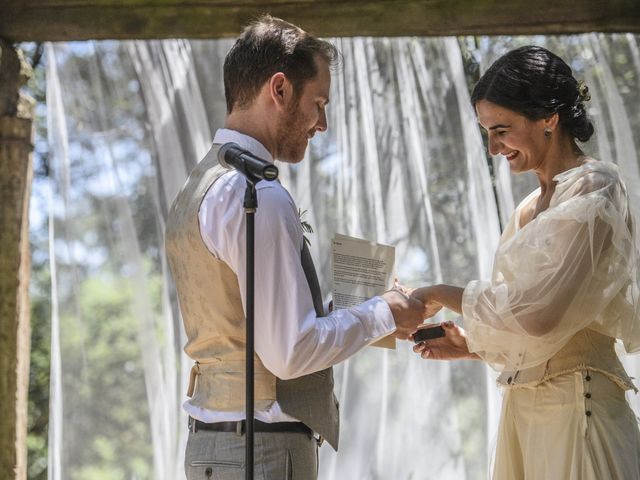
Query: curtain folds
{"x": 402, "y": 163}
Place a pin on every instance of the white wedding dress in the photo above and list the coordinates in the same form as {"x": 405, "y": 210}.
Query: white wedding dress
{"x": 563, "y": 288}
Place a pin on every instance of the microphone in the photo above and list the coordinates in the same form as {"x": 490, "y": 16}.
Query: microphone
{"x": 231, "y": 155}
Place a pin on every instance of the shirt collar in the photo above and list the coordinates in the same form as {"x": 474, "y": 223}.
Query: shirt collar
{"x": 226, "y": 135}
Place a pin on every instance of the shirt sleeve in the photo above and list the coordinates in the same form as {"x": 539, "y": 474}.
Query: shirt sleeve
{"x": 290, "y": 339}
{"x": 559, "y": 274}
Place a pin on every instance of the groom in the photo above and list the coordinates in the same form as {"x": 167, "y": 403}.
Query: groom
{"x": 277, "y": 81}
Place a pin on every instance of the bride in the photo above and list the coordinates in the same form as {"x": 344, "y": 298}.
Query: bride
{"x": 563, "y": 289}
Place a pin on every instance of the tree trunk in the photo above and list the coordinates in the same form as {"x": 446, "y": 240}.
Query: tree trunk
{"x": 15, "y": 187}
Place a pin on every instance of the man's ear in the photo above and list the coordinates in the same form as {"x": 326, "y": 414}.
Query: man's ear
{"x": 280, "y": 90}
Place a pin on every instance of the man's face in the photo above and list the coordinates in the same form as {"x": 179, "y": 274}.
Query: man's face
{"x": 306, "y": 117}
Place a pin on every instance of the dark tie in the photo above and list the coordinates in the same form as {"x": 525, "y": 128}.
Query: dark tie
{"x": 312, "y": 279}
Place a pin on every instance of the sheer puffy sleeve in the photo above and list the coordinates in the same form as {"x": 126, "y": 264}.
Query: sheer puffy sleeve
{"x": 574, "y": 266}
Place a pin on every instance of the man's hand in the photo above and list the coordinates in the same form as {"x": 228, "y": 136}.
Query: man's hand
{"x": 407, "y": 312}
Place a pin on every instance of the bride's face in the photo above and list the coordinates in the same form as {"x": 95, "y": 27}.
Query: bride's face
{"x": 520, "y": 140}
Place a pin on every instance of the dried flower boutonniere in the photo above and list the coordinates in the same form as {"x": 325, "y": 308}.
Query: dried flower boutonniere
{"x": 306, "y": 227}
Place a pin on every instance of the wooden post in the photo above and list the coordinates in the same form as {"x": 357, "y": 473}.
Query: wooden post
{"x": 16, "y": 144}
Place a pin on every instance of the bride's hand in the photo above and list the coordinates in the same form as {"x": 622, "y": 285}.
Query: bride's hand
{"x": 426, "y": 296}
{"x": 452, "y": 346}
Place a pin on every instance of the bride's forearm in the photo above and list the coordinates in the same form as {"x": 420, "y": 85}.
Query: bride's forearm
{"x": 448, "y": 296}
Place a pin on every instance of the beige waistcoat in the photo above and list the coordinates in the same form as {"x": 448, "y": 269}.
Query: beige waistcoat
{"x": 214, "y": 321}
{"x": 587, "y": 350}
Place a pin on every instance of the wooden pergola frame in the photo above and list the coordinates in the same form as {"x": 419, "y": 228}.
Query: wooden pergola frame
{"x": 67, "y": 20}
{"x": 57, "y": 20}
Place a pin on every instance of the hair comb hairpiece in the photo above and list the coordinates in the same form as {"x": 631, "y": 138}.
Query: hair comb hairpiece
{"x": 583, "y": 91}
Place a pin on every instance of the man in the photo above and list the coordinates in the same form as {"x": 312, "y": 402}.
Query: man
{"x": 277, "y": 80}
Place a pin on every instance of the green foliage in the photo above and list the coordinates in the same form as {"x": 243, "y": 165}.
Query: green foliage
{"x": 38, "y": 406}
{"x": 102, "y": 365}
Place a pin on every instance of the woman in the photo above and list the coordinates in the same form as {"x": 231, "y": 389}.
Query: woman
{"x": 564, "y": 285}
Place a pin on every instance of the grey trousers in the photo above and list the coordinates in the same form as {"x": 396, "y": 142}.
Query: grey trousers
{"x": 277, "y": 456}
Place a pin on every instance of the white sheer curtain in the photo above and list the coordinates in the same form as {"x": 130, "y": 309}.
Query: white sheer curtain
{"x": 402, "y": 163}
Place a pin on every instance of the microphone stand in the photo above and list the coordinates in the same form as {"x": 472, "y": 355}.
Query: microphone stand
{"x": 250, "y": 207}
{"x": 254, "y": 169}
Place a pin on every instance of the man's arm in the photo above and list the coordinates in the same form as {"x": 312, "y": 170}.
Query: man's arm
{"x": 290, "y": 339}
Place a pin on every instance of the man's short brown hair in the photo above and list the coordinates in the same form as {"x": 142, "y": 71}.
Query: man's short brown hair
{"x": 265, "y": 47}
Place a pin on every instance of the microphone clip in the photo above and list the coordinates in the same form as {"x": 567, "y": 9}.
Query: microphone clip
{"x": 254, "y": 168}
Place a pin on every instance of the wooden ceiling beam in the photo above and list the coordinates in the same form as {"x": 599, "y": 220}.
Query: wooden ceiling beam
{"x": 61, "y": 20}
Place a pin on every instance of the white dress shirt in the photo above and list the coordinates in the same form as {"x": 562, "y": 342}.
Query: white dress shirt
{"x": 290, "y": 339}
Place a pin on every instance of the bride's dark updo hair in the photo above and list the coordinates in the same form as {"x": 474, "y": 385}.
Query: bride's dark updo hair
{"x": 537, "y": 83}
